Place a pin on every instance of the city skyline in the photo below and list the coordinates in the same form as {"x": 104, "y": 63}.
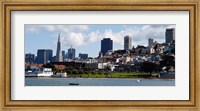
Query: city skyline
{"x": 82, "y": 37}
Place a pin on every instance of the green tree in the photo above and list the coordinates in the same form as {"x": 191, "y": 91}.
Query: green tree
{"x": 148, "y": 67}
{"x": 167, "y": 61}
{"x": 80, "y": 72}
{"x": 173, "y": 51}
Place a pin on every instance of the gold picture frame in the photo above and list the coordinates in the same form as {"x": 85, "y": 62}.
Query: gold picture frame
{"x": 118, "y": 5}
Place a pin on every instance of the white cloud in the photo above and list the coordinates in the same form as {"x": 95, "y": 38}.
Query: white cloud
{"x": 31, "y": 28}
{"x": 79, "y": 35}
{"x": 72, "y": 39}
{"x": 93, "y": 37}
{"x": 56, "y": 28}
{"x": 49, "y": 28}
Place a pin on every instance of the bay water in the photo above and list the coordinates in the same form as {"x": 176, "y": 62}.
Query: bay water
{"x": 41, "y": 81}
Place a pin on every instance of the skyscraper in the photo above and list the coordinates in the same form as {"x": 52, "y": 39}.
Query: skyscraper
{"x": 150, "y": 42}
{"x": 63, "y": 55}
{"x": 59, "y": 57}
{"x": 127, "y": 43}
{"x": 83, "y": 56}
{"x": 49, "y": 55}
{"x": 41, "y": 56}
{"x": 170, "y": 35}
{"x": 29, "y": 58}
{"x": 71, "y": 53}
{"x": 106, "y": 45}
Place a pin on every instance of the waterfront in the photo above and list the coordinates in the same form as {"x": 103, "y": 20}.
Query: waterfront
{"x": 41, "y": 81}
{"x": 102, "y": 61}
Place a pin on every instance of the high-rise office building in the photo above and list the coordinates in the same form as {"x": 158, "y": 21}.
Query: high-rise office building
{"x": 59, "y": 57}
{"x": 49, "y": 55}
{"x": 170, "y": 35}
{"x": 29, "y": 58}
{"x": 71, "y": 53}
{"x": 83, "y": 56}
{"x": 53, "y": 59}
{"x": 41, "y": 56}
{"x": 127, "y": 43}
{"x": 150, "y": 42}
{"x": 106, "y": 45}
{"x": 63, "y": 55}
{"x": 66, "y": 55}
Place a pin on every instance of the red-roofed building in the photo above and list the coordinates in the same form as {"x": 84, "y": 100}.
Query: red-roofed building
{"x": 36, "y": 65}
{"x": 60, "y": 67}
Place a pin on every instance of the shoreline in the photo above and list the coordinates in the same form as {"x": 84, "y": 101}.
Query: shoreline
{"x": 109, "y": 78}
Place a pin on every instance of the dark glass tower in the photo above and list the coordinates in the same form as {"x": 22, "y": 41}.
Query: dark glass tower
{"x": 29, "y": 58}
{"x": 127, "y": 43}
{"x": 71, "y": 53}
{"x": 41, "y": 56}
{"x": 49, "y": 55}
{"x": 169, "y": 35}
{"x": 106, "y": 45}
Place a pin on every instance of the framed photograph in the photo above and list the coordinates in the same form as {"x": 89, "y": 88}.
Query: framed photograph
{"x": 97, "y": 55}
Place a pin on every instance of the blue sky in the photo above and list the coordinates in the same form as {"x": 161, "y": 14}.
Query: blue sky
{"x": 87, "y": 38}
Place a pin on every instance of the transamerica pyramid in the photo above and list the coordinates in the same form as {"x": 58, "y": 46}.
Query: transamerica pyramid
{"x": 59, "y": 57}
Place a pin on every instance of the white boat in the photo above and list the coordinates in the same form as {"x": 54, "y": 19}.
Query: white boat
{"x": 45, "y": 72}
{"x": 138, "y": 80}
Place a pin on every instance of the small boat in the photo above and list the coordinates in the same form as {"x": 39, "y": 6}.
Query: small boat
{"x": 73, "y": 83}
{"x": 138, "y": 80}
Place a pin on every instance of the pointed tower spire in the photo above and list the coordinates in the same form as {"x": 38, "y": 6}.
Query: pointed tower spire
{"x": 59, "y": 37}
{"x": 59, "y": 57}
